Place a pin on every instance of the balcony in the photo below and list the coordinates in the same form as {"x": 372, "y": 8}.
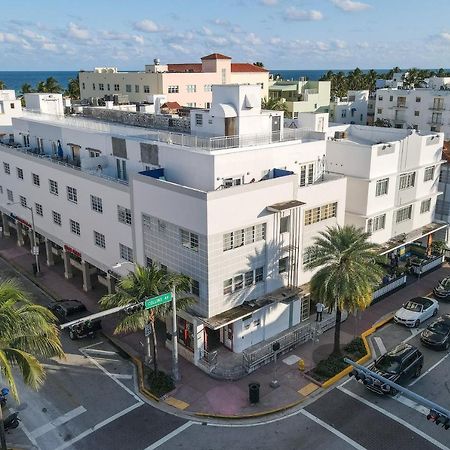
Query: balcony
{"x": 437, "y": 108}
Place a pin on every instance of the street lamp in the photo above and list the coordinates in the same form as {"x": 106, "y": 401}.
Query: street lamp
{"x": 35, "y": 248}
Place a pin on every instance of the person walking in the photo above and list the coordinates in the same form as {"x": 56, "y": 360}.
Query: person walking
{"x": 319, "y": 311}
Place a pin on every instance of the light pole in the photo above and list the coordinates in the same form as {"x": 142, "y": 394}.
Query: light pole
{"x": 34, "y": 247}
{"x": 175, "y": 371}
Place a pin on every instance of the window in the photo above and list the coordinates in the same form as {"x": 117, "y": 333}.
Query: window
{"x": 418, "y": 99}
{"x": 75, "y": 227}
{"x": 23, "y": 201}
{"x": 248, "y": 278}
{"x": 306, "y": 174}
{"x": 284, "y": 224}
{"x": 191, "y": 88}
{"x": 83, "y": 85}
{"x": 163, "y": 268}
{"x": 259, "y": 274}
{"x": 407, "y": 180}
{"x": 1, "y": 189}
{"x": 19, "y": 173}
{"x": 124, "y": 215}
{"x": 10, "y": 195}
{"x": 189, "y": 240}
{"x": 128, "y": 87}
{"x": 136, "y": 88}
{"x": 403, "y": 214}
{"x": 238, "y": 282}
{"x": 195, "y": 287}
{"x": 416, "y": 113}
{"x": 38, "y": 208}
{"x": 380, "y": 98}
{"x": 208, "y": 106}
{"x": 96, "y": 204}
{"x": 148, "y": 261}
{"x": 391, "y": 98}
{"x": 99, "y": 239}
{"x": 320, "y": 213}
{"x": 376, "y": 223}
{"x": 108, "y": 87}
{"x": 207, "y": 88}
{"x": 162, "y": 226}
{"x": 344, "y": 113}
{"x": 56, "y": 218}
{"x": 242, "y": 280}
{"x": 425, "y": 206}
{"x": 116, "y": 87}
{"x": 93, "y": 86}
{"x": 36, "y": 179}
{"x": 126, "y": 253}
{"x": 428, "y": 174}
{"x": 309, "y": 255}
{"x": 6, "y": 168}
{"x": 199, "y": 120}
{"x": 101, "y": 87}
{"x": 191, "y": 105}
{"x": 283, "y": 264}
{"x": 382, "y": 187}
{"x": 146, "y": 89}
{"x": 244, "y": 236}
{"x": 379, "y": 110}
{"x": 72, "y": 195}
{"x": 53, "y": 186}
{"x": 234, "y": 181}
{"x": 224, "y": 76}
{"x": 228, "y": 286}
{"x": 173, "y": 89}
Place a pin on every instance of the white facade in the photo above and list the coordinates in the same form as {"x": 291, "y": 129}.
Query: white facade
{"x": 45, "y": 103}
{"x": 9, "y": 107}
{"x": 353, "y": 109}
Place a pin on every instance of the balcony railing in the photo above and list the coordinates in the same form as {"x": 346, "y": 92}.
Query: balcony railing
{"x": 437, "y": 108}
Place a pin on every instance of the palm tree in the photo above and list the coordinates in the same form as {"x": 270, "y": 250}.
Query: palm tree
{"x": 73, "y": 88}
{"x": 258, "y": 64}
{"x": 2, "y": 85}
{"x": 146, "y": 282}
{"x": 26, "y": 88}
{"x": 348, "y": 271}
{"x": 50, "y": 85}
{"x": 274, "y": 104}
{"x": 27, "y": 332}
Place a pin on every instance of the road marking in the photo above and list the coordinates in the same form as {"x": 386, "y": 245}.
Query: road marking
{"x": 429, "y": 370}
{"x": 291, "y": 360}
{"x": 122, "y": 376}
{"x": 169, "y": 436}
{"x": 308, "y": 389}
{"x": 176, "y": 403}
{"x": 58, "y": 421}
{"x": 411, "y": 404}
{"x": 98, "y": 426}
{"x": 380, "y": 345}
{"x": 100, "y": 352}
{"x": 337, "y": 433}
{"x": 393, "y": 417}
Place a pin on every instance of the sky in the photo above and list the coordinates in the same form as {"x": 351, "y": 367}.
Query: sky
{"x": 283, "y": 34}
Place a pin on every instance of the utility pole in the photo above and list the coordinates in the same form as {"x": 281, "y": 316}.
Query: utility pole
{"x": 175, "y": 370}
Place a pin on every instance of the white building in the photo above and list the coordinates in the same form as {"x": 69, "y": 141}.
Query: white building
{"x": 352, "y": 109}
{"x": 9, "y": 107}
{"x": 45, "y": 103}
{"x": 426, "y": 109}
{"x": 234, "y": 205}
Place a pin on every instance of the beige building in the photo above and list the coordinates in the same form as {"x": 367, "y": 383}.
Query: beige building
{"x": 188, "y": 84}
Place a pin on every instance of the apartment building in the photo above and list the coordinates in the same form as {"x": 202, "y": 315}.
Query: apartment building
{"x": 426, "y": 108}
{"x": 187, "y": 84}
{"x": 9, "y": 107}
{"x": 234, "y": 205}
{"x": 352, "y": 109}
{"x": 302, "y": 96}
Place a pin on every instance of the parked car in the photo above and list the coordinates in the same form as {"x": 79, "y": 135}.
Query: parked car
{"x": 416, "y": 311}
{"x": 398, "y": 365}
{"x": 69, "y": 310}
{"x": 437, "y": 334}
{"x": 442, "y": 290}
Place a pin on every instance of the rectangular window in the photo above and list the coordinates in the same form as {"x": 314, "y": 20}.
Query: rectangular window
{"x": 173, "y": 89}
{"x": 207, "y": 88}
{"x": 195, "y": 287}
{"x": 318, "y": 214}
{"x": 116, "y": 87}
{"x": 380, "y": 98}
{"x": 36, "y": 179}
{"x": 379, "y": 110}
{"x": 403, "y": 214}
{"x": 244, "y": 236}
{"x": 306, "y": 174}
{"x": 19, "y": 173}
{"x": 376, "y": 223}
{"x": 228, "y": 286}
{"x": 199, "y": 120}
{"x": 124, "y": 215}
{"x": 10, "y": 195}
{"x": 284, "y": 224}
{"x": 53, "y": 187}
{"x": 93, "y": 86}
{"x": 382, "y": 187}
{"x": 72, "y": 194}
{"x": 6, "y": 168}
{"x": 162, "y": 226}
{"x": 99, "y": 239}
{"x": 136, "y": 88}
{"x": 23, "y": 201}
{"x": 56, "y": 218}
{"x": 391, "y": 98}
{"x": 418, "y": 99}
{"x": 191, "y": 88}
{"x": 238, "y": 282}
{"x": 146, "y": 89}
{"x": 126, "y": 253}
{"x": 96, "y": 204}
{"x": 416, "y": 113}
{"x": 259, "y": 274}
{"x": 425, "y": 206}
{"x": 407, "y": 180}
{"x": 128, "y": 87}
{"x": 38, "y": 208}
{"x": 101, "y": 87}
{"x": 189, "y": 240}
{"x": 344, "y": 113}
{"x": 248, "y": 278}
{"x": 75, "y": 227}
{"x": 283, "y": 264}
{"x": 428, "y": 174}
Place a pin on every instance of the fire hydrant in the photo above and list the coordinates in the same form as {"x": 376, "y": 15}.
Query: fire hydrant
{"x": 301, "y": 364}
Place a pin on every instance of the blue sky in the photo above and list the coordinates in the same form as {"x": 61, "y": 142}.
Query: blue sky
{"x": 284, "y": 34}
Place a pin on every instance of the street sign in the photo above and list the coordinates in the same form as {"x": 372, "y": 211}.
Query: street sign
{"x": 159, "y": 300}
{"x": 147, "y": 330}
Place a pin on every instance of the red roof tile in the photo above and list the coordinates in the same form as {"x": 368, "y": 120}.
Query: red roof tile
{"x": 171, "y": 105}
{"x": 215, "y": 56}
{"x": 246, "y": 67}
{"x": 190, "y": 67}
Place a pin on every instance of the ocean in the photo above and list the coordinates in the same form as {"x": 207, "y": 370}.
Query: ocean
{"x": 15, "y": 80}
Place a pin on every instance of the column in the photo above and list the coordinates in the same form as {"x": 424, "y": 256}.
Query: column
{"x": 49, "y": 253}
{"x": 67, "y": 265}
{"x": 199, "y": 340}
{"x": 110, "y": 284}
{"x": 5, "y": 223}
{"x": 19, "y": 235}
{"x": 85, "y": 270}
{"x": 30, "y": 238}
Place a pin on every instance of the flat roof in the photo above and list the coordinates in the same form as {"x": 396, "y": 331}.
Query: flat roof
{"x": 282, "y": 206}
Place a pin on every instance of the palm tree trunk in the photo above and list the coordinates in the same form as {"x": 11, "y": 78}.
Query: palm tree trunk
{"x": 337, "y": 332}
{"x": 2, "y": 432}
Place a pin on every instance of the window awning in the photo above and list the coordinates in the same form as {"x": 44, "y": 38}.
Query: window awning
{"x": 90, "y": 149}
{"x": 74, "y": 145}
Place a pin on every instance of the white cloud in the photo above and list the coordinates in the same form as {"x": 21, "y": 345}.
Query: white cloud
{"x": 147, "y": 25}
{"x": 206, "y": 31}
{"x": 179, "y": 48}
{"x": 274, "y": 40}
{"x": 9, "y": 37}
{"x": 294, "y": 13}
{"x": 125, "y": 37}
{"x": 252, "y": 39}
{"x": 445, "y": 36}
{"x": 350, "y": 5}
{"x": 50, "y": 47}
{"x": 220, "y": 22}
{"x": 77, "y": 32}
{"x": 217, "y": 40}
{"x": 269, "y": 2}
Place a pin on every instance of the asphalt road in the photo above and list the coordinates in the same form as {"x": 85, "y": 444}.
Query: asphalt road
{"x": 89, "y": 401}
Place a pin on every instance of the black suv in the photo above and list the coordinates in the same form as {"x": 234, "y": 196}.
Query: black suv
{"x": 398, "y": 365}
{"x": 69, "y": 310}
{"x": 437, "y": 334}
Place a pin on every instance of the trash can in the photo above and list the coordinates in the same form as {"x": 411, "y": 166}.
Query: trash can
{"x": 34, "y": 268}
{"x": 253, "y": 392}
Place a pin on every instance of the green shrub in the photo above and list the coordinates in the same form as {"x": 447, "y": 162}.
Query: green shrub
{"x": 160, "y": 383}
{"x": 329, "y": 367}
{"x": 356, "y": 348}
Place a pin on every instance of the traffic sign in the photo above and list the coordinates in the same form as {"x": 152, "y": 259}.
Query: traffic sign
{"x": 159, "y": 300}
{"x": 147, "y": 330}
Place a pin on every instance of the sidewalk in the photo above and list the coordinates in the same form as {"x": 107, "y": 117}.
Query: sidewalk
{"x": 198, "y": 392}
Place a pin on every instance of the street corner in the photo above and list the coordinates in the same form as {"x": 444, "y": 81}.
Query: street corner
{"x": 176, "y": 403}
{"x": 309, "y": 389}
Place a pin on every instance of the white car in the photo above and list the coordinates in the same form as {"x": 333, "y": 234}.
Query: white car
{"x": 416, "y": 311}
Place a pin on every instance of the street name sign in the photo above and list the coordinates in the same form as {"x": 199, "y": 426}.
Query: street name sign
{"x": 159, "y": 300}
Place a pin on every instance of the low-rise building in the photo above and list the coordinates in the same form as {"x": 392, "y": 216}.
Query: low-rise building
{"x": 352, "y": 109}
{"x": 9, "y": 107}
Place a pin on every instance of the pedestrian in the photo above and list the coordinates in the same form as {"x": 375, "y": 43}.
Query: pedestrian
{"x": 319, "y": 311}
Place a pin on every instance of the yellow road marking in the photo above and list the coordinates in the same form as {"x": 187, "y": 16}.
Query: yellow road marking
{"x": 172, "y": 401}
{"x": 308, "y": 389}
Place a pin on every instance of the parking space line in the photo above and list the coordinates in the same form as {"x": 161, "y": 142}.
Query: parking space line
{"x": 100, "y": 352}
{"x": 58, "y": 421}
{"x": 169, "y": 436}
{"x": 380, "y": 345}
{"x": 429, "y": 370}
{"x": 333, "y": 430}
{"x": 393, "y": 417}
{"x": 411, "y": 404}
